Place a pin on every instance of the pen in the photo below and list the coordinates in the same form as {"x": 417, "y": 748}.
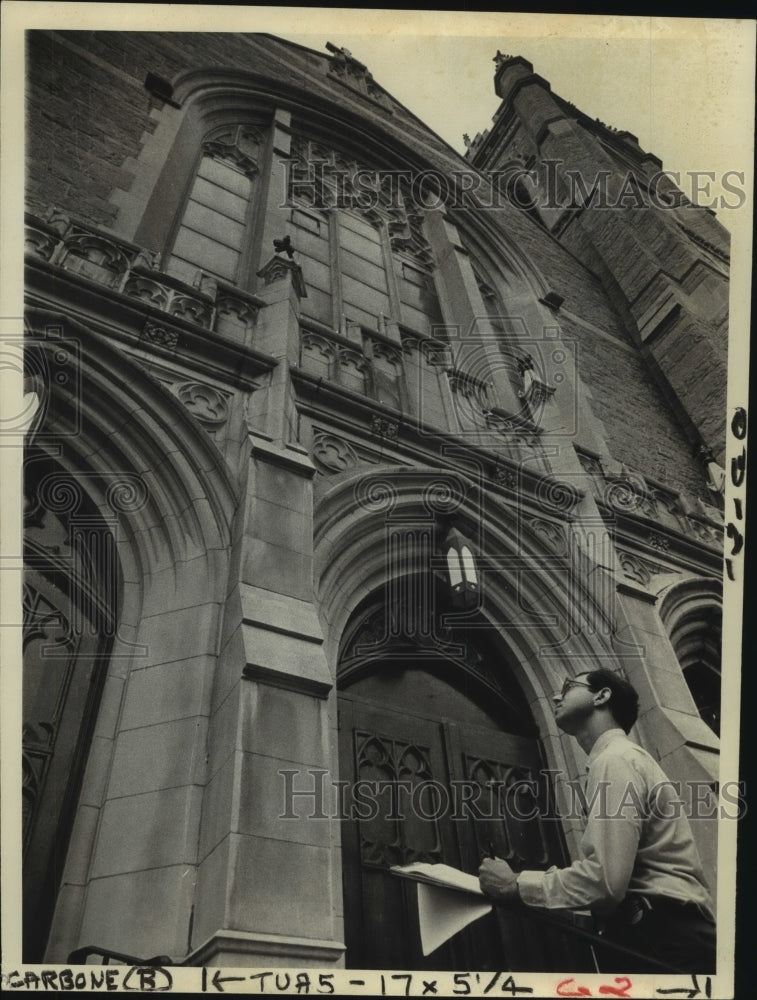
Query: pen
{"x": 490, "y": 848}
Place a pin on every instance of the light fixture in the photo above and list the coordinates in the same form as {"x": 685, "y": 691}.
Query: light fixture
{"x": 462, "y": 576}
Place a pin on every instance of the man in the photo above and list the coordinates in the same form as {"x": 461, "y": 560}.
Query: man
{"x": 639, "y": 870}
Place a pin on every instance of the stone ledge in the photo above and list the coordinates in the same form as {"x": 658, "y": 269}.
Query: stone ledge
{"x": 280, "y": 613}
{"x": 637, "y": 591}
{"x": 285, "y": 661}
{"x": 291, "y": 457}
{"x": 252, "y": 947}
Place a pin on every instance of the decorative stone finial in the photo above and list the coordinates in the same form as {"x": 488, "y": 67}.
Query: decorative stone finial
{"x": 500, "y": 58}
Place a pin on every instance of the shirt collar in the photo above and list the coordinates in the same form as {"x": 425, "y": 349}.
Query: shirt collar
{"x": 602, "y": 741}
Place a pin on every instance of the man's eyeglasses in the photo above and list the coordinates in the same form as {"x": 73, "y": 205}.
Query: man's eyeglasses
{"x": 571, "y": 684}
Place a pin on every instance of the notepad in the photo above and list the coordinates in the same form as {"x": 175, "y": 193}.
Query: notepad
{"x": 448, "y": 900}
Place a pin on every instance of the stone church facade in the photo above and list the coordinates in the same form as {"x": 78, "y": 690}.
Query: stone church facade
{"x": 348, "y": 450}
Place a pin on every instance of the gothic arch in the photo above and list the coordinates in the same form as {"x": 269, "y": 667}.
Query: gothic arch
{"x": 156, "y": 477}
{"x": 395, "y": 701}
{"x": 692, "y": 614}
{"x": 350, "y": 564}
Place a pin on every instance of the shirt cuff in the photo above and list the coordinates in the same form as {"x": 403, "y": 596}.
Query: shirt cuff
{"x": 531, "y": 888}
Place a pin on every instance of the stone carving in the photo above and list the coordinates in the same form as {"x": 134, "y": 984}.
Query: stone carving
{"x": 590, "y": 463}
{"x": 350, "y": 358}
{"x": 406, "y": 235}
{"x": 332, "y": 453}
{"x": 436, "y": 354}
{"x": 191, "y": 309}
{"x": 506, "y": 476}
{"x": 701, "y": 530}
{"x": 626, "y": 492}
{"x": 468, "y": 386}
{"x": 238, "y": 144}
{"x": 149, "y": 260}
{"x": 94, "y": 257}
{"x": 159, "y": 335}
{"x": 658, "y": 541}
{"x": 641, "y": 570}
{"x": 234, "y": 315}
{"x": 500, "y": 59}
{"x": 204, "y": 402}
{"x": 510, "y": 425}
{"x": 384, "y": 427}
{"x": 39, "y": 243}
{"x": 388, "y": 352}
{"x": 132, "y": 271}
{"x": 537, "y": 393}
{"x": 148, "y": 291}
{"x": 344, "y": 67}
{"x": 317, "y": 342}
{"x": 278, "y": 268}
{"x": 57, "y": 219}
{"x": 551, "y": 533}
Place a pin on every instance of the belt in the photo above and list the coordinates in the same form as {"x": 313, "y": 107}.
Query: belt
{"x": 635, "y": 907}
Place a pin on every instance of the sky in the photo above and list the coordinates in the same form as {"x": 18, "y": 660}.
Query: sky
{"x": 682, "y": 86}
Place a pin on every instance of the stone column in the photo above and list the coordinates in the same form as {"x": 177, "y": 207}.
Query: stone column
{"x": 267, "y": 882}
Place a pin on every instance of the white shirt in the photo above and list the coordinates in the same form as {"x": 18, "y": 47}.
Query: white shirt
{"x": 637, "y": 838}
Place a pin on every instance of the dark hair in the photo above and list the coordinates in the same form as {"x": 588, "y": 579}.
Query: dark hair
{"x": 624, "y": 699}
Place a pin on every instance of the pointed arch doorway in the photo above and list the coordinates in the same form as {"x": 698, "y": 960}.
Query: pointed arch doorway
{"x": 71, "y": 588}
{"x": 425, "y": 726}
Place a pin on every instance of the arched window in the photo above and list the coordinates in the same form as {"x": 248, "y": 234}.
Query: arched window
{"x": 693, "y": 616}
{"x": 361, "y": 242}
{"x": 216, "y": 230}
{"x": 696, "y": 639}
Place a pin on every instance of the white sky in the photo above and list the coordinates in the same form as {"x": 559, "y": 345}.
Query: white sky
{"x": 684, "y": 87}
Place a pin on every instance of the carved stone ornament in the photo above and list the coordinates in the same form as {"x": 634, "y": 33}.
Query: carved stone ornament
{"x": 239, "y": 145}
{"x": 348, "y": 70}
{"x": 501, "y": 58}
{"x": 387, "y": 352}
{"x": 204, "y": 402}
{"x": 551, "y": 533}
{"x": 312, "y": 341}
{"x": 94, "y": 257}
{"x": 279, "y": 268}
{"x": 658, "y": 541}
{"x": 39, "y": 243}
{"x": 641, "y": 570}
{"x": 147, "y": 290}
{"x": 590, "y": 463}
{"x": 159, "y": 335}
{"x": 384, "y": 427}
{"x": 506, "y": 476}
{"x": 333, "y": 454}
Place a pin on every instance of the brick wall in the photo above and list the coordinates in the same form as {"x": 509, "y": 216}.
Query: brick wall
{"x": 641, "y": 430}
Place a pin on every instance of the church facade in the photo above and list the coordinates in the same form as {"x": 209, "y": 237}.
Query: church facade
{"x": 349, "y": 449}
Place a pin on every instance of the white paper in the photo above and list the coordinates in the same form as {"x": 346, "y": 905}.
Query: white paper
{"x": 444, "y": 912}
{"x": 440, "y": 875}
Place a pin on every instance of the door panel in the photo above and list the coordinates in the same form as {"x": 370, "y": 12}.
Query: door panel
{"x": 60, "y": 691}
{"x": 423, "y": 772}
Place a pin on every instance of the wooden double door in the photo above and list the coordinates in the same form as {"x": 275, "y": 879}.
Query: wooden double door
{"x": 431, "y": 776}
